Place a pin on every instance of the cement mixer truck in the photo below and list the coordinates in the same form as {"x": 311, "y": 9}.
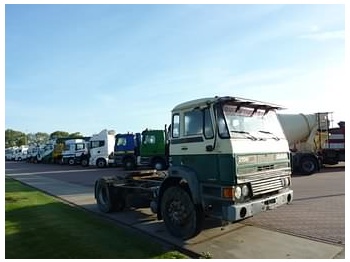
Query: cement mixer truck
{"x": 312, "y": 142}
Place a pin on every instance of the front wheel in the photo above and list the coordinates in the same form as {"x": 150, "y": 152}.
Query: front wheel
{"x": 101, "y": 163}
{"x": 71, "y": 161}
{"x": 129, "y": 163}
{"x": 181, "y": 216}
{"x": 159, "y": 164}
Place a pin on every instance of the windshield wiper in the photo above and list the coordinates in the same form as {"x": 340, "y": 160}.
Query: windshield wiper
{"x": 269, "y": 133}
{"x": 248, "y": 135}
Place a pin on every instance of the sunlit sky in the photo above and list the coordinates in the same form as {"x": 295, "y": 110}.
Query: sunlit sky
{"x": 84, "y": 68}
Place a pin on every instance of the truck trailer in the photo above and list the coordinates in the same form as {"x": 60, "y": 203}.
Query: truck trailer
{"x": 312, "y": 141}
{"x": 229, "y": 159}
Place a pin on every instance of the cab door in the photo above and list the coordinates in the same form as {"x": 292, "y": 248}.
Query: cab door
{"x": 192, "y": 142}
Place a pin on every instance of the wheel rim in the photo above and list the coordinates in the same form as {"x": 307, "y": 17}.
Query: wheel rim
{"x": 177, "y": 213}
{"x": 100, "y": 163}
{"x": 308, "y": 166}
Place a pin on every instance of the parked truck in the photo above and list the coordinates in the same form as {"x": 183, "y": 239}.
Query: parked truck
{"x": 149, "y": 148}
{"x": 312, "y": 142}
{"x": 229, "y": 159}
{"x": 10, "y": 153}
{"x": 21, "y": 153}
{"x": 45, "y": 152}
{"x": 101, "y": 148}
{"x": 32, "y": 153}
{"x": 75, "y": 151}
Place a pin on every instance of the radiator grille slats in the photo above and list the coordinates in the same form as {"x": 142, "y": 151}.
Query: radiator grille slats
{"x": 266, "y": 185}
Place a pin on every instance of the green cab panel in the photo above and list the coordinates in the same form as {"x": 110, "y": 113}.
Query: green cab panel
{"x": 213, "y": 168}
{"x": 153, "y": 143}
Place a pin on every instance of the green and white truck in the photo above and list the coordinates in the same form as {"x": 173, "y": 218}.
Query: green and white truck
{"x": 228, "y": 159}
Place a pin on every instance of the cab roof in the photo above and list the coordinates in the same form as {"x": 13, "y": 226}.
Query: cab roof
{"x": 203, "y": 102}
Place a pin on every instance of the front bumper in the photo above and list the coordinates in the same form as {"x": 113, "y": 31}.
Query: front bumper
{"x": 240, "y": 211}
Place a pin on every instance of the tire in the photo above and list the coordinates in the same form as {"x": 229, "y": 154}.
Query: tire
{"x": 108, "y": 198}
{"x": 181, "y": 216}
{"x": 101, "y": 163}
{"x": 85, "y": 162}
{"x": 159, "y": 164}
{"x": 71, "y": 161}
{"x": 129, "y": 163}
{"x": 308, "y": 165}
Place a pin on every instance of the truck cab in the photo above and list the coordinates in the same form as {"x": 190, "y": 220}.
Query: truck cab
{"x": 154, "y": 149}
{"x": 75, "y": 150}
{"x": 126, "y": 148}
{"x": 229, "y": 159}
{"x": 101, "y": 147}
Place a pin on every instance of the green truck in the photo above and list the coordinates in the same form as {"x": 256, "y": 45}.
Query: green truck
{"x": 228, "y": 159}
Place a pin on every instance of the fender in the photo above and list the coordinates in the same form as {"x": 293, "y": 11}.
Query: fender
{"x": 184, "y": 176}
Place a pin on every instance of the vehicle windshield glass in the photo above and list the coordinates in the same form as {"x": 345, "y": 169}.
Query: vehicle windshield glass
{"x": 248, "y": 122}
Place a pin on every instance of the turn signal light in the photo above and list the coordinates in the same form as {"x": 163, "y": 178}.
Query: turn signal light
{"x": 228, "y": 192}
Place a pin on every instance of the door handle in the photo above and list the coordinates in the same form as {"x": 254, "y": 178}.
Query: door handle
{"x": 184, "y": 148}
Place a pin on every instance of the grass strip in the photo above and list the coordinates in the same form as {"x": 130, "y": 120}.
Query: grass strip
{"x": 39, "y": 226}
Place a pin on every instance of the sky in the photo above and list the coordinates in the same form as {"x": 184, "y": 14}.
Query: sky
{"x": 84, "y": 68}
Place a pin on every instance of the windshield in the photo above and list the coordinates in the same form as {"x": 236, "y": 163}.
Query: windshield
{"x": 251, "y": 123}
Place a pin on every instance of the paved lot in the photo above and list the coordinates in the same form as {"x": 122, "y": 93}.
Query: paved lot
{"x": 317, "y": 213}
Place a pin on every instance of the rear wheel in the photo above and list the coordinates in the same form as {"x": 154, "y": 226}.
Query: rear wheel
{"x": 181, "y": 216}
{"x": 108, "y": 199}
{"x": 85, "y": 161}
{"x": 308, "y": 165}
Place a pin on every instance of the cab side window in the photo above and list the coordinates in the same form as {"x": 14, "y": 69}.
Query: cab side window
{"x": 175, "y": 127}
{"x": 208, "y": 124}
{"x": 193, "y": 123}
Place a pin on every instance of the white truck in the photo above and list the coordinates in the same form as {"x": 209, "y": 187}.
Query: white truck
{"x": 10, "y": 153}
{"x": 75, "y": 151}
{"x": 21, "y": 153}
{"x": 101, "y": 147}
{"x": 312, "y": 142}
{"x": 33, "y": 151}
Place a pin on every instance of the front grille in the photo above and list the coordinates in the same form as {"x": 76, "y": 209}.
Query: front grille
{"x": 266, "y": 185}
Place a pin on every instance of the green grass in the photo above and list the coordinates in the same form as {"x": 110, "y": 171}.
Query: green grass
{"x": 39, "y": 226}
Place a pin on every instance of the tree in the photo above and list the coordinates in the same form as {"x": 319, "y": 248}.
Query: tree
{"x": 41, "y": 138}
{"x": 76, "y": 135}
{"x": 58, "y": 134}
{"x": 14, "y": 138}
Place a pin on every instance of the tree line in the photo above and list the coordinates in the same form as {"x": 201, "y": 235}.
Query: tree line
{"x": 18, "y": 138}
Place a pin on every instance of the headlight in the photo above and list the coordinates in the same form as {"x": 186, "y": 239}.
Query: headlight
{"x": 238, "y": 192}
{"x": 247, "y": 159}
{"x": 285, "y": 181}
{"x": 281, "y": 156}
{"x": 245, "y": 190}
